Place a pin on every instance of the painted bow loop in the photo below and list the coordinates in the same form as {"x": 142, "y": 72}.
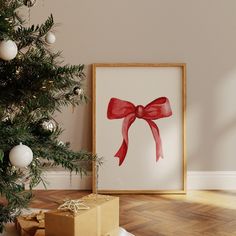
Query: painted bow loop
{"x": 118, "y": 109}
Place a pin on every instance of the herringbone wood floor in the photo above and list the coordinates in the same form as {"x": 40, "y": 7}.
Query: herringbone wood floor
{"x": 198, "y": 213}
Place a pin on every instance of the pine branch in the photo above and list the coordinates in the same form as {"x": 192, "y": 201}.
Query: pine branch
{"x": 44, "y": 28}
{"x": 34, "y": 85}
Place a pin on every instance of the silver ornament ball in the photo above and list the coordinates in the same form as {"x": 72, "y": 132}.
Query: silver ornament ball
{"x": 49, "y": 125}
{"x": 78, "y": 91}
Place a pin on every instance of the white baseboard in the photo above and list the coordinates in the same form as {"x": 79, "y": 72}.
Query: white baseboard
{"x": 211, "y": 180}
{"x": 61, "y": 179}
{"x": 196, "y": 180}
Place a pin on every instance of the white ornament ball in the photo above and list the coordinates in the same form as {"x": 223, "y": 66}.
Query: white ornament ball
{"x": 8, "y": 50}
{"x": 21, "y": 156}
{"x": 50, "y": 38}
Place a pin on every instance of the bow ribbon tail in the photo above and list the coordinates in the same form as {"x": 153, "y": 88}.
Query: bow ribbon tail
{"x": 127, "y": 122}
{"x": 157, "y": 138}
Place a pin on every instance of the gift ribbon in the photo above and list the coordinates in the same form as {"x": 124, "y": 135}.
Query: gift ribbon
{"x": 73, "y": 206}
{"x": 118, "y": 109}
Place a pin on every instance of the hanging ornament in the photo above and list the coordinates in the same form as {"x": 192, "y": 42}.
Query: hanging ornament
{"x": 77, "y": 90}
{"x": 29, "y": 3}
{"x": 60, "y": 143}
{"x": 6, "y": 118}
{"x": 8, "y": 50}
{"x": 50, "y": 38}
{"x": 47, "y": 126}
{"x": 21, "y": 156}
{"x": 10, "y": 113}
{"x": 69, "y": 96}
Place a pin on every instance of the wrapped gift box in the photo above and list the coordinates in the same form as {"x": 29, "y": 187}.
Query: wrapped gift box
{"x": 114, "y": 232}
{"x": 40, "y": 232}
{"x": 101, "y": 218}
{"x": 28, "y": 225}
{"x": 108, "y": 212}
{"x": 59, "y": 223}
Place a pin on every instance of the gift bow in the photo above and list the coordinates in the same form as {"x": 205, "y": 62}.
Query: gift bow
{"x": 159, "y": 108}
{"x": 73, "y": 205}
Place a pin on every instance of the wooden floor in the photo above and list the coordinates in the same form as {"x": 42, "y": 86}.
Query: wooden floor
{"x": 198, "y": 213}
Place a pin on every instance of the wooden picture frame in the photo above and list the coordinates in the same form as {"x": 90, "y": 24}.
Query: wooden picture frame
{"x": 145, "y": 106}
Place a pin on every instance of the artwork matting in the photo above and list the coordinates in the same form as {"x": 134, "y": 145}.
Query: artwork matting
{"x": 152, "y": 160}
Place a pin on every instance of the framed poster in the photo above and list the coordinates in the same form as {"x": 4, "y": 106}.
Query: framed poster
{"x": 139, "y": 128}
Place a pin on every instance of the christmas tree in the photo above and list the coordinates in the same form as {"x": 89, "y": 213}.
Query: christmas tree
{"x": 33, "y": 85}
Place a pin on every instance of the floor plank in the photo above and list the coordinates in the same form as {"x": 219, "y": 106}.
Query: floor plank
{"x": 198, "y": 213}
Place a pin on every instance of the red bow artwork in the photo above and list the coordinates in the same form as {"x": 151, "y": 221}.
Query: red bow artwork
{"x": 118, "y": 109}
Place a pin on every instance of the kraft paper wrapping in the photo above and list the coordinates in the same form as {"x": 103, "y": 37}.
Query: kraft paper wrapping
{"x": 26, "y": 227}
{"x": 108, "y": 212}
{"x": 114, "y": 232}
{"x": 99, "y": 220}
{"x": 40, "y": 232}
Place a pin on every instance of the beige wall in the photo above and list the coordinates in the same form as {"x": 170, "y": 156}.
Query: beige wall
{"x": 201, "y": 33}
